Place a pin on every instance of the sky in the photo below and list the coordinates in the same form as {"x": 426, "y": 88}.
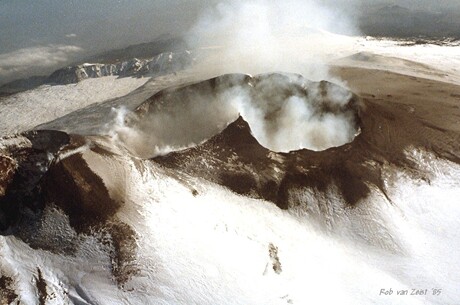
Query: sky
{"x": 91, "y": 24}
{"x": 41, "y": 35}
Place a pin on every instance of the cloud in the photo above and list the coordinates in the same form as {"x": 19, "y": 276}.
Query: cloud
{"x": 71, "y": 35}
{"x": 39, "y": 59}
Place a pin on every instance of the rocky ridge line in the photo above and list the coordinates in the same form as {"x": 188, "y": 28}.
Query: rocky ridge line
{"x": 160, "y": 64}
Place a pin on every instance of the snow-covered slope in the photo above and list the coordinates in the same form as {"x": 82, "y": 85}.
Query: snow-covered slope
{"x": 427, "y": 60}
{"x": 180, "y": 239}
{"x": 28, "y": 109}
{"x": 87, "y": 219}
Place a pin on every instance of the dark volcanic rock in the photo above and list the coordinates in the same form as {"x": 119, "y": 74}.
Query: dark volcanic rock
{"x": 23, "y": 165}
{"x": 273, "y": 253}
{"x": 76, "y": 189}
{"x": 41, "y": 288}
{"x": 122, "y": 241}
{"x": 72, "y": 186}
{"x": 7, "y": 168}
{"x": 47, "y": 180}
{"x": 236, "y": 160}
{"x": 7, "y": 293}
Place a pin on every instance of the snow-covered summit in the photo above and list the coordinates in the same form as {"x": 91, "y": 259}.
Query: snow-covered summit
{"x": 161, "y": 64}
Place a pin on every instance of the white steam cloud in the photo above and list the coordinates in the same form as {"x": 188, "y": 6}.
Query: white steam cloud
{"x": 259, "y": 36}
{"x": 284, "y": 122}
{"x": 285, "y": 113}
{"x": 253, "y": 37}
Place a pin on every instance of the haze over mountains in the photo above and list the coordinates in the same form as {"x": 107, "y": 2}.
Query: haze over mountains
{"x": 51, "y": 39}
{"x": 400, "y": 21}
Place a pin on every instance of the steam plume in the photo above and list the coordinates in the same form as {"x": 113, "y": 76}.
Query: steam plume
{"x": 260, "y": 36}
{"x": 285, "y": 112}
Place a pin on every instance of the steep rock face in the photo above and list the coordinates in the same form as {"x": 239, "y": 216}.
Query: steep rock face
{"x": 24, "y": 159}
{"x": 7, "y": 168}
{"x": 236, "y": 160}
{"x": 52, "y": 199}
{"x": 161, "y": 64}
{"x": 72, "y": 186}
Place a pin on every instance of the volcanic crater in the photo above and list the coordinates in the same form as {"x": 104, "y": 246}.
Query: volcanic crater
{"x": 43, "y": 170}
